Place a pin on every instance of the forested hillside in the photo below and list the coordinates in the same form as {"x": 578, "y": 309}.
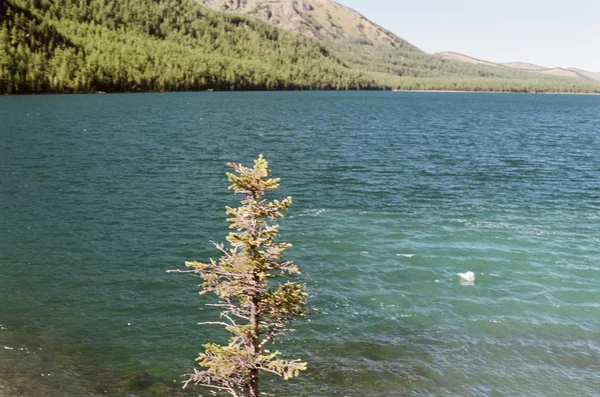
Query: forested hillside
{"x": 422, "y": 71}
{"x": 391, "y": 60}
{"x": 146, "y": 45}
{"x": 179, "y": 45}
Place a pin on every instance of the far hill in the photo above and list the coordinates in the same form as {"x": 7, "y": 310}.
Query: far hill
{"x": 523, "y": 66}
{"x": 455, "y": 56}
{"x": 565, "y": 72}
{"x": 570, "y": 73}
{"x": 559, "y": 72}
{"x": 590, "y": 75}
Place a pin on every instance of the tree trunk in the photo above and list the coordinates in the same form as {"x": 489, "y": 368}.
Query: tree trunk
{"x": 253, "y": 384}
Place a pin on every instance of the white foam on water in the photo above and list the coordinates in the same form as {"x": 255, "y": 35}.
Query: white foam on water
{"x": 467, "y": 278}
{"x": 406, "y": 255}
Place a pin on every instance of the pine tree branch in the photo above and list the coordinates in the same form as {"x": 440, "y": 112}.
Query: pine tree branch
{"x": 230, "y": 319}
{"x": 227, "y": 389}
{"x": 214, "y": 323}
{"x": 269, "y": 370}
{"x": 231, "y": 308}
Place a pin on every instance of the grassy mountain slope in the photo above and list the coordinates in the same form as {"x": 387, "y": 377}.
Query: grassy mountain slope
{"x": 560, "y": 72}
{"x": 590, "y": 75}
{"x": 570, "y": 73}
{"x": 523, "y": 66}
{"x": 321, "y": 19}
{"x": 454, "y": 56}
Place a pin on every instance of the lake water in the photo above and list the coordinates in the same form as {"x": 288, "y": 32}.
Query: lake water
{"x": 394, "y": 194}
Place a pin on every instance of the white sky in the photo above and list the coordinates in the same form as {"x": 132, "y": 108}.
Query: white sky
{"x": 551, "y": 33}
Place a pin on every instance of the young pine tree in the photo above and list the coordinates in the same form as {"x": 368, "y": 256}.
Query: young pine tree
{"x": 255, "y": 308}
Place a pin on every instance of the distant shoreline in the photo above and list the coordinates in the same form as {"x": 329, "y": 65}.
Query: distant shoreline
{"x": 500, "y": 92}
{"x": 365, "y": 90}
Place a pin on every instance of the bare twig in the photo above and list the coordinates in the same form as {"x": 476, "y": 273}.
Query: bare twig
{"x": 214, "y": 323}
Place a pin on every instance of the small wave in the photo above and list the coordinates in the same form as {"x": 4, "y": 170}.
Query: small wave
{"x": 406, "y": 255}
{"x": 463, "y": 221}
{"x": 312, "y": 212}
{"x": 493, "y": 225}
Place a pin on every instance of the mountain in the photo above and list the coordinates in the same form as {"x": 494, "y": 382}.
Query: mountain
{"x": 567, "y": 72}
{"x": 181, "y": 45}
{"x": 148, "y": 45}
{"x": 559, "y": 72}
{"x": 523, "y": 66}
{"x": 590, "y": 75}
{"x": 365, "y": 45}
{"x": 455, "y": 56}
{"x": 321, "y": 19}
{"x": 570, "y": 73}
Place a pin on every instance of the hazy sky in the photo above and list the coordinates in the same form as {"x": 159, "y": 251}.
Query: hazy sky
{"x": 562, "y": 33}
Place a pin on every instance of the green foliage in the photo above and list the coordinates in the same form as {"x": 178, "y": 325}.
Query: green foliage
{"x": 254, "y": 308}
{"x": 147, "y": 45}
{"x": 178, "y": 45}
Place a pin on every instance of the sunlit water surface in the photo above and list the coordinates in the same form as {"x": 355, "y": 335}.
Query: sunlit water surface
{"x": 394, "y": 194}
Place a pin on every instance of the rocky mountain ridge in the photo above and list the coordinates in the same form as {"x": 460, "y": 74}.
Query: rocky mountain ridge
{"x": 321, "y": 19}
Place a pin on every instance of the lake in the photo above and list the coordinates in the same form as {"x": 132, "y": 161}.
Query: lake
{"x": 394, "y": 195}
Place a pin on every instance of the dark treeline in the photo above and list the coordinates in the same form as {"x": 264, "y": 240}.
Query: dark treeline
{"x": 178, "y": 45}
{"x": 146, "y": 45}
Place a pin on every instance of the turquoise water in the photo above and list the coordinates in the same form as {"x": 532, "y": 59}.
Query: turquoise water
{"x": 394, "y": 194}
